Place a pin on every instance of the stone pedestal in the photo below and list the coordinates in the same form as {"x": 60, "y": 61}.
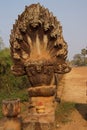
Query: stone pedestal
{"x": 39, "y": 126}
{"x": 41, "y": 114}
{"x": 11, "y": 110}
{"x": 12, "y": 124}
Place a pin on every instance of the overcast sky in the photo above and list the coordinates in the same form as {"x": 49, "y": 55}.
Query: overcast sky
{"x": 71, "y": 13}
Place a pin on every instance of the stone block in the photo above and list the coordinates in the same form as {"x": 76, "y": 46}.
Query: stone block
{"x": 44, "y": 91}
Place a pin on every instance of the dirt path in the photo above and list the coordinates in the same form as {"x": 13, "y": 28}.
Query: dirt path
{"x": 74, "y": 89}
{"x": 75, "y": 85}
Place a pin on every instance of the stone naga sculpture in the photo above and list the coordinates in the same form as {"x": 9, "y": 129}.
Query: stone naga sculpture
{"x": 38, "y": 48}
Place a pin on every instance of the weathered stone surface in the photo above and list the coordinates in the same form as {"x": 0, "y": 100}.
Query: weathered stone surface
{"x": 39, "y": 126}
{"x": 40, "y": 121}
{"x": 44, "y": 91}
{"x": 38, "y": 48}
{"x": 12, "y": 124}
{"x": 39, "y": 51}
{"x": 11, "y": 108}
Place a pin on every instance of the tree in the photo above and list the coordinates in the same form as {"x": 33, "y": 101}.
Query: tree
{"x": 78, "y": 60}
{"x": 84, "y": 53}
{"x": 1, "y": 43}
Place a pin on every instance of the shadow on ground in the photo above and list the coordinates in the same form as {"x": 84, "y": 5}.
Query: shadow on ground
{"x": 82, "y": 109}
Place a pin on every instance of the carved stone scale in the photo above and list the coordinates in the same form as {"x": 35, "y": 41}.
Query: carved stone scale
{"x": 39, "y": 51}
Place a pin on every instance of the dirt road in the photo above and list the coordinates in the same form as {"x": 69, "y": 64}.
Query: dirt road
{"x": 74, "y": 89}
{"x": 75, "y": 85}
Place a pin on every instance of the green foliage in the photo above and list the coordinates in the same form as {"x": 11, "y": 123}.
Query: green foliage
{"x": 84, "y": 52}
{"x": 1, "y": 43}
{"x": 10, "y": 86}
{"x": 63, "y": 111}
{"x": 80, "y": 59}
{"x": 8, "y": 81}
{"x": 5, "y": 59}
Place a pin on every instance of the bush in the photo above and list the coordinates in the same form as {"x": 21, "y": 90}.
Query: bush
{"x": 8, "y": 81}
{"x": 11, "y": 86}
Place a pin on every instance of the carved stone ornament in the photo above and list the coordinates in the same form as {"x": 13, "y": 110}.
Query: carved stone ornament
{"x": 39, "y": 51}
{"x": 38, "y": 48}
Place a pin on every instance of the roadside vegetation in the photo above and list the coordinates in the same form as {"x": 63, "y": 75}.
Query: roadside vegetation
{"x": 11, "y": 86}
{"x": 80, "y": 59}
{"x": 63, "y": 111}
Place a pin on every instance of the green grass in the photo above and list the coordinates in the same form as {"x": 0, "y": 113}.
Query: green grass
{"x": 63, "y": 111}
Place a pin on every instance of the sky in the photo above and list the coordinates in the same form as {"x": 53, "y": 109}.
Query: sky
{"x": 72, "y": 15}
